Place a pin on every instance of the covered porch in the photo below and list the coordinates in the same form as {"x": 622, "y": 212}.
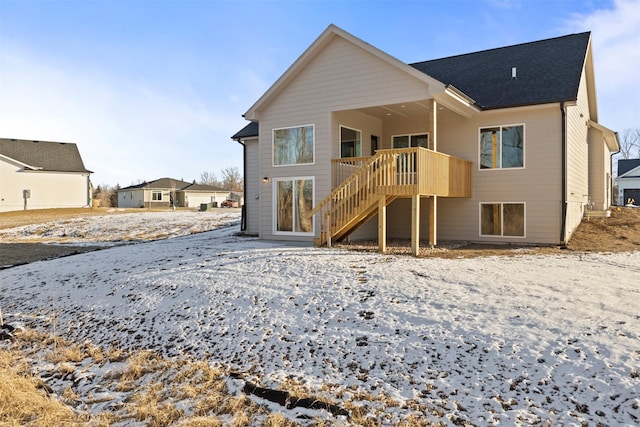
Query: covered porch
{"x": 404, "y": 162}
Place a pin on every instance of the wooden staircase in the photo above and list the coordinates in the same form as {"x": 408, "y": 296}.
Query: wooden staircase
{"x": 384, "y": 177}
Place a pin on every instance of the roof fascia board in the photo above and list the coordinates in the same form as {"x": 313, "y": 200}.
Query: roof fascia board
{"x": 456, "y": 103}
{"x": 327, "y": 35}
{"x": 19, "y": 163}
{"x": 591, "y": 82}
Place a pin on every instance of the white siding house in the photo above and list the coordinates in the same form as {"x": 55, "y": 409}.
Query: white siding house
{"x": 628, "y": 182}
{"x": 42, "y": 175}
{"x": 169, "y": 192}
{"x": 501, "y": 145}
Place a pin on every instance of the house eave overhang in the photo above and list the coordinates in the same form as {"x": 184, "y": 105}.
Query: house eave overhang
{"x": 253, "y": 114}
{"x": 457, "y": 101}
{"x": 610, "y": 137}
{"x": 21, "y": 164}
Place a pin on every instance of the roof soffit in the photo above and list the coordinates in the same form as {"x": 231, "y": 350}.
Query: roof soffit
{"x": 610, "y": 137}
{"x": 312, "y": 51}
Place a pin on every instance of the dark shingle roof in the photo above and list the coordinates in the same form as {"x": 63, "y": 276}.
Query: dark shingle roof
{"x": 203, "y": 187}
{"x": 248, "y": 131}
{"x": 625, "y": 165}
{"x": 44, "y": 155}
{"x": 162, "y": 183}
{"x": 547, "y": 71}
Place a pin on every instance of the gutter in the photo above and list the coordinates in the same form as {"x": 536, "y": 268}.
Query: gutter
{"x": 563, "y": 225}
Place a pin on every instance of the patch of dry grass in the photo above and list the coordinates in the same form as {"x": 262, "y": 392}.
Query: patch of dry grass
{"x": 157, "y": 391}
{"x": 25, "y": 401}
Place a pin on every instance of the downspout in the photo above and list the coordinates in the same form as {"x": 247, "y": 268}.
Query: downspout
{"x": 563, "y": 225}
{"x": 243, "y": 208}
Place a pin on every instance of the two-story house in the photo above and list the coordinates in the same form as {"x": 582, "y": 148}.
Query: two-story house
{"x": 501, "y": 145}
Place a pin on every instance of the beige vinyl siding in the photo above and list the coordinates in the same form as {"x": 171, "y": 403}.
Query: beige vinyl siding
{"x": 538, "y": 184}
{"x": 399, "y": 219}
{"x": 254, "y": 185}
{"x": 597, "y": 172}
{"x": 577, "y": 158}
{"x": 342, "y": 76}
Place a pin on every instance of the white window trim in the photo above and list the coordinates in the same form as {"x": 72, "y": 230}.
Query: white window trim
{"x": 154, "y": 192}
{"x": 410, "y": 135}
{"x": 340, "y": 140}
{"x": 273, "y": 159}
{"x": 274, "y": 207}
{"x": 524, "y": 147}
{"x": 501, "y": 235}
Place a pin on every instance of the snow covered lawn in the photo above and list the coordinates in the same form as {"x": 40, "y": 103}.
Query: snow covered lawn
{"x": 523, "y": 340}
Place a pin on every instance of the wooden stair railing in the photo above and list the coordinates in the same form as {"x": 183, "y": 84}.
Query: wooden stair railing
{"x": 356, "y": 199}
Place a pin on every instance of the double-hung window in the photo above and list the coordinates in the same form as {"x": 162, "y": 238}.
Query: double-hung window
{"x": 294, "y": 201}
{"x": 502, "y": 219}
{"x": 156, "y": 196}
{"x": 502, "y": 147}
{"x": 293, "y": 145}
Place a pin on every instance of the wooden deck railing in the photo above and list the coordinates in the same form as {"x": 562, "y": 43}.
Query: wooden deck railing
{"x": 387, "y": 175}
{"x": 341, "y": 169}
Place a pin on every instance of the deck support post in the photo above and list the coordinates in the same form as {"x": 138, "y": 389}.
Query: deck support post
{"x": 328, "y": 230}
{"x": 382, "y": 225}
{"x": 433, "y": 220}
{"x": 415, "y": 224}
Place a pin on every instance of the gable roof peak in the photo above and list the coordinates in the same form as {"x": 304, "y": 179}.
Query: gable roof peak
{"x": 327, "y": 35}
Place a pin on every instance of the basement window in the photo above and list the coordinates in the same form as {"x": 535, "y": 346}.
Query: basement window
{"x": 502, "y": 219}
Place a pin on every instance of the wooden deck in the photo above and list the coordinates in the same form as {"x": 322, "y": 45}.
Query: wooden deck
{"x": 364, "y": 186}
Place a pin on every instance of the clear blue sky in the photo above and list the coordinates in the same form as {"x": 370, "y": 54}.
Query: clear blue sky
{"x": 151, "y": 89}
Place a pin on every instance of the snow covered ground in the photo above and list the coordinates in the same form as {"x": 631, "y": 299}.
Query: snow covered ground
{"x": 121, "y": 227}
{"x": 523, "y": 340}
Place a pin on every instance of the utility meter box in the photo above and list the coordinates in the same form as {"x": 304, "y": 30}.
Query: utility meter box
{"x": 26, "y": 194}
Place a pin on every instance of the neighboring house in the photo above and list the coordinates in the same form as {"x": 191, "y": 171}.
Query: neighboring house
{"x": 628, "y": 182}
{"x": 501, "y": 145}
{"x": 42, "y": 175}
{"x": 168, "y": 192}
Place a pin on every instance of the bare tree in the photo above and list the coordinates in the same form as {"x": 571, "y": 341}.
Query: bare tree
{"x": 209, "y": 178}
{"x": 630, "y": 144}
{"x": 107, "y": 195}
{"x": 232, "y": 179}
